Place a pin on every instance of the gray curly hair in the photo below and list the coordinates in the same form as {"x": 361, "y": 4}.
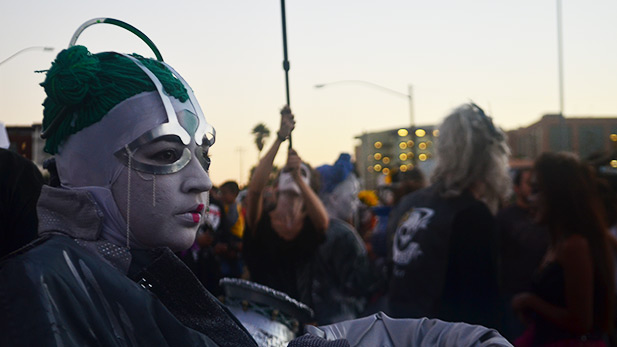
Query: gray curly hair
{"x": 471, "y": 150}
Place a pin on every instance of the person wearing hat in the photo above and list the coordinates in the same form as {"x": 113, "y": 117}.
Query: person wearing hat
{"x": 131, "y": 146}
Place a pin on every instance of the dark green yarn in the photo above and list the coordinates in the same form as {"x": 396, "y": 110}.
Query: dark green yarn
{"x": 89, "y": 85}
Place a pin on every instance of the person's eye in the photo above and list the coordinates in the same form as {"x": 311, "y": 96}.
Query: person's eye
{"x": 166, "y": 156}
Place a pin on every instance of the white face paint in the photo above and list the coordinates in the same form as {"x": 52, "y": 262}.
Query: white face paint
{"x": 343, "y": 202}
{"x": 165, "y": 210}
{"x": 286, "y": 181}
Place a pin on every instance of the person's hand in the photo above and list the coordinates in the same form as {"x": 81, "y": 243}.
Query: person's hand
{"x": 521, "y": 305}
{"x": 287, "y": 123}
{"x": 293, "y": 164}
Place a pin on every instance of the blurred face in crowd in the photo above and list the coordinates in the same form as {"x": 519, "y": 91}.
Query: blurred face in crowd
{"x": 227, "y": 196}
{"x": 524, "y": 189}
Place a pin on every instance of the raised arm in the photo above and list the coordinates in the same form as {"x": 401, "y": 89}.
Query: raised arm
{"x": 262, "y": 172}
{"x": 314, "y": 207}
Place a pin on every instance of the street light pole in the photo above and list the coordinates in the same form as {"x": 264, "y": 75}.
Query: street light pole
{"x": 564, "y": 132}
{"x": 382, "y": 88}
{"x": 27, "y": 49}
{"x": 409, "y": 97}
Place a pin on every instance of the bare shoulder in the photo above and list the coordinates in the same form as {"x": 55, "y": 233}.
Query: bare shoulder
{"x": 574, "y": 249}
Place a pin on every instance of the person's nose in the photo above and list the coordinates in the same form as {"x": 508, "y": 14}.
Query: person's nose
{"x": 196, "y": 179}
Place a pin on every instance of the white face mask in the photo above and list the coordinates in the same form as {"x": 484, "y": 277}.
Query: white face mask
{"x": 164, "y": 210}
{"x": 162, "y": 197}
{"x": 287, "y": 184}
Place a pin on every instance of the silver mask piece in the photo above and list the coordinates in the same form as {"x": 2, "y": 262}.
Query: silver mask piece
{"x": 201, "y": 132}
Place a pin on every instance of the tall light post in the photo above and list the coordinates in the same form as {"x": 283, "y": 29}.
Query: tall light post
{"x": 409, "y": 96}
{"x": 564, "y": 130}
{"x": 27, "y": 49}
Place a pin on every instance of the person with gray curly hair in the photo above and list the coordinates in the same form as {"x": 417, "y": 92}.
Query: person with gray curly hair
{"x": 443, "y": 245}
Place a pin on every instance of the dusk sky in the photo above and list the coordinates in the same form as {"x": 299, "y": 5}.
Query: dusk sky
{"x": 500, "y": 54}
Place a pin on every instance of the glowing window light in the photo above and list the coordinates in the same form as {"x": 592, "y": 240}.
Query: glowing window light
{"x": 402, "y": 156}
{"x": 386, "y": 160}
{"x": 420, "y": 132}
{"x": 402, "y": 145}
{"x": 422, "y": 157}
{"x": 377, "y": 156}
{"x": 613, "y": 137}
{"x": 377, "y": 167}
{"x": 410, "y": 143}
{"x": 378, "y": 145}
{"x": 402, "y": 132}
{"x": 385, "y": 171}
{"x": 422, "y": 146}
{"x": 403, "y": 168}
{"x": 614, "y": 163}
{"x": 436, "y": 132}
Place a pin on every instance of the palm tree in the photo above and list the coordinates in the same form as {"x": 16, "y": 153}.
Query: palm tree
{"x": 261, "y": 132}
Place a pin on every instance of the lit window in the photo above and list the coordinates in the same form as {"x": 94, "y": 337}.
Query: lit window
{"x": 402, "y": 145}
{"x": 378, "y": 145}
{"x": 420, "y": 132}
{"x": 422, "y": 157}
{"x": 377, "y": 167}
{"x": 436, "y": 132}
{"x": 402, "y": 156}
{"x": 409, "y": 143}
{"x": 386, "y": 171}
{"x": 422, "y": 146}
{"x": 402, "y": 132}
{"x": 403, "y": 168}
{"x": 614, "y": 137}
{"x": 614, "y": 163}
{"x": 386, "y": 160}
{"x": 377, "y": 156}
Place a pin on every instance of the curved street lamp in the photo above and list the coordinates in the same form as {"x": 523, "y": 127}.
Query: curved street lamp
{"x": 27, "y": 49}
{"x": 382, "y": 88}
{"x": 387, "y": 90}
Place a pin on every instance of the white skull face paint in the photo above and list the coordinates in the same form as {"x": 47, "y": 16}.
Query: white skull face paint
{"x": 287, "y": 184}
{"x": 180, "y": 196}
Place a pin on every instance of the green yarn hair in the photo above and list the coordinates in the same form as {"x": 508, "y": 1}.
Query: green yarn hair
{"x": 89, "y": 85}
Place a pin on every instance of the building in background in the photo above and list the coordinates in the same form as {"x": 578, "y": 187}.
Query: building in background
{"x": 588, "y": 137}
{"x": 380, "y": 154}
{"x": 26, "y": 140}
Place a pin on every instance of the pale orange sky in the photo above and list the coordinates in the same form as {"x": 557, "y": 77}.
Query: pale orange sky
{"x": 503, "y": 55}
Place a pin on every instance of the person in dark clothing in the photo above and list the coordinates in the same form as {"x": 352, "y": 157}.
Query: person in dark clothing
{"x": 20, "y": 187}
{"x": 572, "y": 301}
{"x": 279, "y": 243}
{"x": 342, "y": 275}
{"x": 131, "y": 147}
{"x": 443, "y": 238}
{"x": 522, "y": 244}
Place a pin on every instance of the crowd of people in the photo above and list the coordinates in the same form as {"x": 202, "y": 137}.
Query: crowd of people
{"x": 130, "y": 240}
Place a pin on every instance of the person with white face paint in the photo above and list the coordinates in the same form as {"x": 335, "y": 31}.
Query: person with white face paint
{"x": 131, "y": 146}
{"x": 279, "y": 243}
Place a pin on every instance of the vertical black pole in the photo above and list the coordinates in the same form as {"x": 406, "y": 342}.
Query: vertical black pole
{"x": 285, "y": 59}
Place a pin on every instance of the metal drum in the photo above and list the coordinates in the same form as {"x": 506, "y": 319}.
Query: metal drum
{"x": 271, "y": 317}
